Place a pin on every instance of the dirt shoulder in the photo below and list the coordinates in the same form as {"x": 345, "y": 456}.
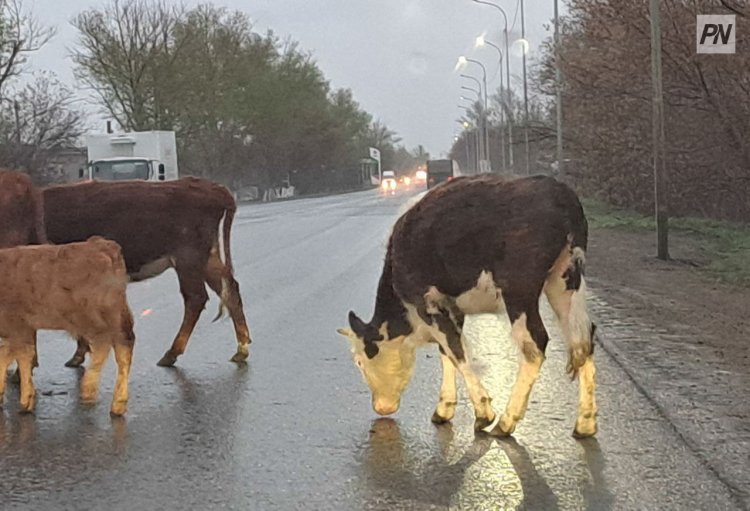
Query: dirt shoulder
{"x": 683, "y": 334}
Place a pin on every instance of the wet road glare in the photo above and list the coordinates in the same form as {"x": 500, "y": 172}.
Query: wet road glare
{"x": 294, "y": 429}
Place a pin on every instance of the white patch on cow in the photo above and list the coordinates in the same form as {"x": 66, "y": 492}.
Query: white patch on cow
{"x": 484, "y": 298}
{"x": 531, "y": 362}
{"x": 152, "y": 269}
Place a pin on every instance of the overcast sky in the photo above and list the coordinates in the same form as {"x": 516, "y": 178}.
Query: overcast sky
{"x": 398, "y": 56}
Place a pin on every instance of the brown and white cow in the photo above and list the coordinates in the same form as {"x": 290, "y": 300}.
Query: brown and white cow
{"x": 480, "y": 245}
{"x": 159, "y": 225}
{"x": 21, "y": 211}
{"x": 79, "y": 288}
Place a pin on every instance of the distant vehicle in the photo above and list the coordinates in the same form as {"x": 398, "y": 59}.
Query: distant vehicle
{"x": 439, "y": 171}
{"x": 420, "y": 177}
{"x": 388, "y": 185}
{"x": 146, "y": 155}
{"x": 389, "y": 174}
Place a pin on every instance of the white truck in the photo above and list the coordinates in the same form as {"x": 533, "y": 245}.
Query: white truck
{"x": 147, "y": 155}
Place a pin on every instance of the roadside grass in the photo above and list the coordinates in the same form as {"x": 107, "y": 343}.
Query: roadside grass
{"x": 726, "y": 245}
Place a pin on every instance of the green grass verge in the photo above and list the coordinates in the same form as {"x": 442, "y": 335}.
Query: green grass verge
{"x": 726, "y": 245}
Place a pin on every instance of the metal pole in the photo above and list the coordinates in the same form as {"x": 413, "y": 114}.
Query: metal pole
{"x": 525, "y": 90}
{"x": 484, "y": 116}
{"x": 16, "y": 113}
{"x": 502, "y": 124}
{"x": 507, "y": 79}
{"x": 509, "y": 98}
{"x": 466, "y": 144}
{"x": 479, "y": 85}
{"x": 660, "y": 172}
{"x": 558, "y": 86}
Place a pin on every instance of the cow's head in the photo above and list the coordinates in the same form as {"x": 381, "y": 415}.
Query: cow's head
{"x": 386, "y": 363}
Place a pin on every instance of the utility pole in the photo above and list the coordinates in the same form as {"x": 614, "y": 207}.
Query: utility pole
{"x": 525, "y": 89}
{"x": 558, "y": 86}
{"x": 661, "y": 179}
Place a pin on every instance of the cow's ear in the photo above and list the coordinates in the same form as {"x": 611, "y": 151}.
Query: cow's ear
{"x": 346, "y": 332}
{"x": 358, "y": 326}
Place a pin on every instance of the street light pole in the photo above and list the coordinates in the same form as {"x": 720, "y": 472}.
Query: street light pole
{"x": 480, "y": 140}
{"x": 481, "y": 41}
{"x": 660, "y": 170}
{"x": 484, "y": 112}
{"x": 558, "y": 87}
{"x": 525, "y": 90}
{"x": 507, "y": 80}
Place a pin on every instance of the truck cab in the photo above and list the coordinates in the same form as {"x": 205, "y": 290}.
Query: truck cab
{"x": 119, "y": 169}
{"x": 146, "y": 155}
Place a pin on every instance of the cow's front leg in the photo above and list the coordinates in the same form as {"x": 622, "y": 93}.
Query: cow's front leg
{"x": 449, "y": 336}
{"x": 446, "y": 407}
{"x": 529, "y": 333}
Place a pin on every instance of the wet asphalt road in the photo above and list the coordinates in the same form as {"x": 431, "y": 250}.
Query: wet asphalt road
{"x": 294, "y": 429}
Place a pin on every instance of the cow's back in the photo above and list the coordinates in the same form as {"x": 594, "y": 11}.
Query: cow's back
{"x": 148, "y": 220}
{"x": 513, "y": 228}
{"x": 63, "y": 286}
{"x": 20, "y": 210}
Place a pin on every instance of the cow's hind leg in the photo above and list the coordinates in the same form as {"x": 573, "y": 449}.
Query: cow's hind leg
{"x": 100, "y": 347}
{"x": 566, "y": 292}
{"x": 6, "y": 358}
{"x": 223, "y": 283}
{"x": 25, "y": 351}
{"x": 531, "y": 337}
{"x": 446, "y": 407}
{"x": 124, "y": 341}
{"x": 193, "y": 289}
{"x": 16, "y": 378}
{"x": 79, "y": 357}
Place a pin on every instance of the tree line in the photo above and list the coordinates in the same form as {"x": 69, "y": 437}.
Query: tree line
{"x": 248, "y": 109}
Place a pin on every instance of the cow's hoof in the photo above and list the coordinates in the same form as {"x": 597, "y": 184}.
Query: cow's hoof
{"x": 499, "y": 432}
{"x": 584, "y": 430}
{"x": 119, "y": 408}
{"x": 481, "y": 423}
{"x": 27, "y": 405}
{"x": 75, "y": 361}
{"x": 240, "y": 357}
{"x": 439, "y": 419}
{"x": 168, "y": 360}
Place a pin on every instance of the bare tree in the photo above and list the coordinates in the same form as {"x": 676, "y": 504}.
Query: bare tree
{"x": 124, "y": 54}
{"x": 40, "y": 119}
{"x": 20, "y": 35}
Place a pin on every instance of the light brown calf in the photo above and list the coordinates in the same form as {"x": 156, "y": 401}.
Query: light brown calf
{"x": 77, "y": 287}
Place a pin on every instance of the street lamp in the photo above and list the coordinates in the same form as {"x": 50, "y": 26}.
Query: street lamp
{"x": 479, "y": 96}
{"x": 475, "y": 91}
{"x": 507, "y": 74}
{"x": 481, "y": 42}
{"x": 525, "y": 88}
{"x": 466, "y": 125}
{"x": 462, "y": 60}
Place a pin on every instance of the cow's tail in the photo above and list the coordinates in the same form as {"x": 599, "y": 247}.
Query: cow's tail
{"x": 37, "y": 201}
{"x": 224, "y": 244}
{"x": 581, "y": 328}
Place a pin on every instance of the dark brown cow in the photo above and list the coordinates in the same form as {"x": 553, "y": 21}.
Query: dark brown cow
{"x": 79, "y": 288}
{"x": 159, "y": 225}
{"x": 21, "y": 211}
{"x": 480, "y": 245}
